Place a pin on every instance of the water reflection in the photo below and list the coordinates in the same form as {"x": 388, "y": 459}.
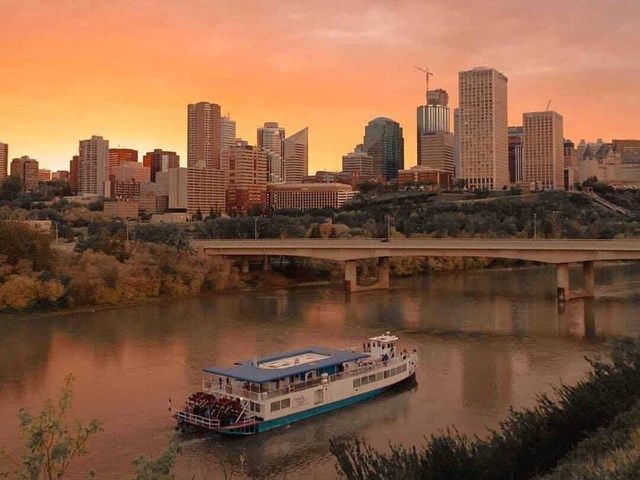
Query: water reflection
{"x": 487, "y": 340}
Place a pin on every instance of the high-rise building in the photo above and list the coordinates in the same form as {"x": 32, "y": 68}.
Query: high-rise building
{"x": 44, "y": 175}
{"x": 74, "y": 174}
{"x": 131, "y": 170}
{"x": 60, "y": 175}
{"x": 94, "y": 166}
{"x": 456, "y": 142}
{"x": 543, "y": 149}
{"x": 569, "y": 164}
{"x": 4, "y": 161}
{"x": 227, "y": 132}
{"x": 359, "y": 162}
{"x": 484, "y": 156}
{"x": 203, "y": 135}
{"x": 271, "y": 139}
{"x": 117, "y": 156}
{"x": 246, "y": 170}
{"x": 516, "y": 166}
{"x": 383, "y": 140}
{"x": 160, "y": 161}
{"x": 435, "y": 140}
{"x": 295, "y": 151}
{"x": 173, "y": 185}
{"x": 434, "y": 116}
{"x": 206, "y": 190}
{"x": 27, "y": 170}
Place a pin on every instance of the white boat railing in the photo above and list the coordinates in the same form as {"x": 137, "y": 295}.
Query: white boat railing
{"x": 193, "y": 419}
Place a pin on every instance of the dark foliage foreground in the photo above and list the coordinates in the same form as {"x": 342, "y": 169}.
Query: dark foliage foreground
{"x": 530, "y": 442}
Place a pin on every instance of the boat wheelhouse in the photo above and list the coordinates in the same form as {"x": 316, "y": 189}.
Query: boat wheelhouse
{"x": 261, "y": 394}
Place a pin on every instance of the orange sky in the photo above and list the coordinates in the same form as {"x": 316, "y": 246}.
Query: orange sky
{"x": 126, "y": 70}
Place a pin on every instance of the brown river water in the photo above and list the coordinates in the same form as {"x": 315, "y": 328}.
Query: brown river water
{"x": 487, "y": 340}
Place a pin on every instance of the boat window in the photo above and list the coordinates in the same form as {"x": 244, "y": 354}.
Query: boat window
{"x": 318, "y": 397}
{"x": 275, "y": 406}
{"x": 365, "y": 380}
{"x": 393, "y": 371}
{"x": 255, "y": 407}
{"x": 404, "y": 367}
{"x": 386, "y": 374}
{"x": 285, "y": 403}
{"x": 356, "y": 383}
{"x": 378, "y": 376}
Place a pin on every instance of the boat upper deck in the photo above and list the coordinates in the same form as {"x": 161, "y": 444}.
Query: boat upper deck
{"x": 296, "y": 362}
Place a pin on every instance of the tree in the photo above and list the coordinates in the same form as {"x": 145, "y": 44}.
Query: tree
{"x": 50, "y": 444}
{"x": 197, "y": 216}
{"x": 160, "y": 468}
{"x": 10, "y": 188}
{"x": 21, "y": 242}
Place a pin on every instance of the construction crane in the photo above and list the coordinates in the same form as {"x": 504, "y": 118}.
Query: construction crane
{"x": 427, "y": 73}
{"x": 548, "y": 103}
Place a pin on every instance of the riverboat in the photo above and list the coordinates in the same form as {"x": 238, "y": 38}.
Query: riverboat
{"x": 262, "y": 394}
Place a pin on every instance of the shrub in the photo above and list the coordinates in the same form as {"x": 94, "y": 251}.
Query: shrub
{"x": 528, "y": 443}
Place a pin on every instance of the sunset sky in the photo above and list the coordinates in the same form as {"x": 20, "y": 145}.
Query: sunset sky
{"x": 126, "y": 70}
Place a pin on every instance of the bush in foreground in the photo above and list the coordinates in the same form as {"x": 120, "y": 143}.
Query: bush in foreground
{"x": 529, "y": 443}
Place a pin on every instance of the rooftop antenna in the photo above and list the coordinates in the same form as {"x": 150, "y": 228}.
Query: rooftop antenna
{"x": 548, "y": 103}
{"x": 427, "y": 73}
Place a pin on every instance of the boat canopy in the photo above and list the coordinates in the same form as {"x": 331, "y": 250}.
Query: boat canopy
{"x": 296, "y": 362}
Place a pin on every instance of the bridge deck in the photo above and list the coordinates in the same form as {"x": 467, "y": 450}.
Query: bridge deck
{"x": 546, "y": 251}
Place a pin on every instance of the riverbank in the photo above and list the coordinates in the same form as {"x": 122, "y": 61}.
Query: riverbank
{"x": 270, "y": 280}
{"x": 597, "y": 418}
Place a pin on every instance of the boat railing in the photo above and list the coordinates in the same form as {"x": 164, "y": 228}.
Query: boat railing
{"x": 199, "y": 420}
{"x": 296, "y": 387}
{"x": 230, "y": 390}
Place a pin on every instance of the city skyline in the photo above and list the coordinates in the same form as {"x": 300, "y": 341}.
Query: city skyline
{"x": 362, "y": 44}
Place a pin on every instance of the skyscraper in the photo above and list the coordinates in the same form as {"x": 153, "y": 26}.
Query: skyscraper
{"x": 160, "y": 161}
{"x": 516, "y": 166}
{"x": 203, "y": 135}
{"x": 434, "y": 116}
{"x": 359, "y": 162}
{"x": 227, "y": 132}
{"x": 435, "y": 140}
{"x": 383, "y": 140}
{"x": 4, "y": 160}
{"x": 120, "y": 155}
{"x": 456, "y": 142}
{"x": 295, "y": 152}
{"x": 484, "y": 158}
{"x": 27, "y": 170}
{"x": 271, "y": 138}
{"x": 93, "y": 167}
{"x": 206, "y": 190}
{"x": 246, "y": 170}
{"x": 74, "y": 174}
{"x": 543, "y": 149}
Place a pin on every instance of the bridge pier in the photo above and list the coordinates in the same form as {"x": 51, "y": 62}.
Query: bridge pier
{"x": 564, "y": 286}
{"x": 266, "y": 265}
{"x": 351, "y": 276}
{"x": 244, "y": 265}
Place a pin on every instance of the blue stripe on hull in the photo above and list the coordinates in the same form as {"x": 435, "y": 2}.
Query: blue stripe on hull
{"x": 295, "y": 417}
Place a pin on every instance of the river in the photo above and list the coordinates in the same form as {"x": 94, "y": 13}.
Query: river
{"x": 487, "y": 340}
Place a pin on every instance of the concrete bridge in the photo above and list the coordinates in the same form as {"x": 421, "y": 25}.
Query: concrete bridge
{"x": 558, "y": 252}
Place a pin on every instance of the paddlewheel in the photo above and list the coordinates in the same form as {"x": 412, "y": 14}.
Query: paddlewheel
{"x": 226, "y": 411}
